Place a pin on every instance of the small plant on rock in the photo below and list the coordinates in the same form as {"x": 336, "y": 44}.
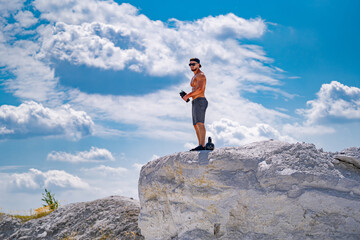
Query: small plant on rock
{"x": 50, "y": 200}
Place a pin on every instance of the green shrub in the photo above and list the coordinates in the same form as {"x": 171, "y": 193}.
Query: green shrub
{"x": 50, "y": 200}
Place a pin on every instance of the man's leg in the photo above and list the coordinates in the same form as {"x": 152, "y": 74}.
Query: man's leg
{"x": 197, "y": 130}
{"x": 198, "y": 112}
{"x": 201, "y": 133}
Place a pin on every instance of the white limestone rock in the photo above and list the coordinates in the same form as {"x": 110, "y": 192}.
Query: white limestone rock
{"x": 350, "y": 155}
{"x": 113, "y": 217}
{"x": 265, "y": 190}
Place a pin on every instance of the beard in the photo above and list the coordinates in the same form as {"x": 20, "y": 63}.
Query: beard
{"x": 194, "y": 69}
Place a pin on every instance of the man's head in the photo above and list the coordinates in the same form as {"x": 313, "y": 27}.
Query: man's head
{"x": 194, "y": 64}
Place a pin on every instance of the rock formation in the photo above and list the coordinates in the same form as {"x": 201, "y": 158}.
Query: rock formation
{"x": 114, "y": 217}
{"x": 265, "y": 190}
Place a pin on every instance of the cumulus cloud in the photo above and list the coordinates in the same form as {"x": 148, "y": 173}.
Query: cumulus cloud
{"x": 35, "y": 179}
{"x": 127, "y": 39}
{"x": 80, "y": 11}
{"x": 7, "y": 7}
{"x": 112, "y": 36}
{"x": 33, "y": 79}
{"x": 228, "y": 132}
{"x": 91, "y": 44}
{"x": 335, "y": 107}
{"x": 94, "y": 155}
{"x": 26, "y": 18}
{"x": 33, "y": 119}
{"x": 107, "y": 35}
{"x": 28, "y": 75}
{"x": 335, "y": 103}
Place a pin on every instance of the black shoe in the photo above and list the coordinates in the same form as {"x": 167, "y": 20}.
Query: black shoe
{"x": 198, "y": 148}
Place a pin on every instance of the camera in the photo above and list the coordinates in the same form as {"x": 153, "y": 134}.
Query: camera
{"x": 182, "y": 94}
{"x": 209, "y": 146}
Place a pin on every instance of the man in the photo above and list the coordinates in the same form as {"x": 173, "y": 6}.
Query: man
{"x": 199, "y": 102}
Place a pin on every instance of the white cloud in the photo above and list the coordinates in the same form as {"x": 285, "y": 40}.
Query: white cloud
{"x": 7, "y": 7}
{"x": 117, "y": 37}
{"x": 154, "y": 157}
{"x": 138, "y": 166}
{"x": 26, "y": 18}
{"x": 10, "y": 167}
{"x": 105, "y": 171}
{"x": 80, "y": 11}
{"x": 34, "y": 79}
{"x": 86, "y": 185}
{"x": 335, "y": 109}
{"x": 169, "y": 117}
{"x": 335, "y": 103}
{"x": 35, "y": 179}
{"x": 94, "y": 155}
{"x": 228, "y": 132}
{"x": 4, "y": 130}
{"x": 275, "y": 91}
{"x": 125, "y": 37}
{"x": 299, "y": 130}
{"x": 25, "y": 180}
{"x": 107, "y": 35}
{"x": 190, "y": 145}
{"x": 31, "y": 77}
{"x": 106, "y": 180}
{"x": 89, "y": 43}
{"x": 225, "y": 26}
{"x": 33, "y": 119}
{"x": 149, "y": 112}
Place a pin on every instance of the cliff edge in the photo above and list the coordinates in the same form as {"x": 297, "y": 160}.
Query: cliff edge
{"x": 264, "y": 190}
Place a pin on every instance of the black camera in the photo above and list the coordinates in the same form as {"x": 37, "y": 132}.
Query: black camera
{"x": 182, "y": 94}
{"x": 209, "y": 146}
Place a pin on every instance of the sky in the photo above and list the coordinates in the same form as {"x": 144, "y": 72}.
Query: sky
{"x": 89, "y": 89}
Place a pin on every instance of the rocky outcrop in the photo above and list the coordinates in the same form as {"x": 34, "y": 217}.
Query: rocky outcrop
{"x": 350, "y": 156}
{"x": 114, "y": 217}
{"x": 265, "y": 190}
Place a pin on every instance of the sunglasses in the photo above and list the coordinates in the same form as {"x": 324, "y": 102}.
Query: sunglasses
{"x": 192, "y": 64}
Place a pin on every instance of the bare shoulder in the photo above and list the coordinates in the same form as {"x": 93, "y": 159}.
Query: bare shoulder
{"x": 201, "y": 76}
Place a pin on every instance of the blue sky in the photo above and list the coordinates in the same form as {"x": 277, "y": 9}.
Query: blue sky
{"x": 89, "y": 89}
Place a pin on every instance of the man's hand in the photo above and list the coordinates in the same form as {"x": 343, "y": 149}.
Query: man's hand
{"x": 186, "y": 97}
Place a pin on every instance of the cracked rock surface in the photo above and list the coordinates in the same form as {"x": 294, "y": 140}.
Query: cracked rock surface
{"x": 349, "y": 155}
{"x": 113, "y": 217}
{"x": 264, "y": 190}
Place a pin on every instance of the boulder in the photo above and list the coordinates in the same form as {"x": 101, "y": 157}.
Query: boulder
{"x": 349, "y": 155}
{"x": 113, "y": 217}
{"x": 264, "y": 190}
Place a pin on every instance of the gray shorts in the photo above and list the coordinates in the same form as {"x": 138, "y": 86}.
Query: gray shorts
{"x": 199, "y": 106}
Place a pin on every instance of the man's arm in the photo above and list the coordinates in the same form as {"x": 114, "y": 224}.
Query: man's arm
{"x": 200, "y": 87}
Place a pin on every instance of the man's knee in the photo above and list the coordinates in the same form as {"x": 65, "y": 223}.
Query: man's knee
{"x": 200, "y": 124}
